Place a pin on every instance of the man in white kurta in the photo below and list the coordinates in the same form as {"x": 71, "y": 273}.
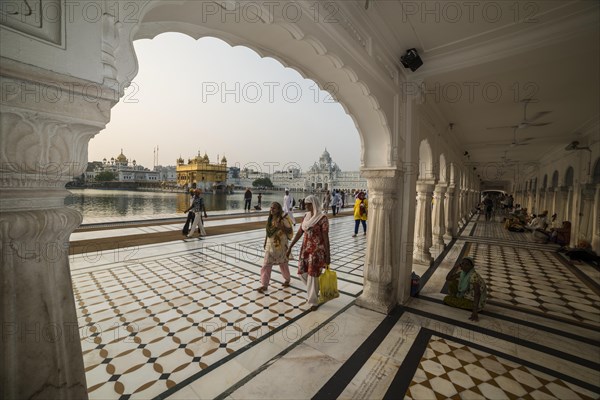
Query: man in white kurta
{"x": 288, "y": 205}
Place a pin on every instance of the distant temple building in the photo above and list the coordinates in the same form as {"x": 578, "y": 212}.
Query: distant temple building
{"x": 200, "y": 173}
{"x": 322, "y": 175}
{"x": 122, "y": 169}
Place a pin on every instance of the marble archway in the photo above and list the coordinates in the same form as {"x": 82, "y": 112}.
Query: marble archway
{"x": 58, "y": 93}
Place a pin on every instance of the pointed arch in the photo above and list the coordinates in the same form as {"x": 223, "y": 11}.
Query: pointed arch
{"x": 369, "y": 103}
{"x": 545, "y": 182}
{"x": 554, "y": 179}
{"x": 569, "y": 176}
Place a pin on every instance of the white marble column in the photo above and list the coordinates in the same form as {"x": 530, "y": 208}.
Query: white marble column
{"x": 535, "y": 201}
{"x": 585, "y": 219}
{"x": 438, "y": 217}
{"x": 463, "y": 206}
{"x": 423, "y": 240}
{"x": 383, "y": 270}
{"x": 554, "y": 201}
{"x": 596, "y": 221}
{"x": 561, "y": 203}
{"x": 471, "y": 205}
{"x": 43, "y": 145}
{"x": 459, "y": 206}
{"x": 450, "y": 214}
{"x": 522, "y": 198}
{"x": 547, "y": 203}
{"x": 569, "y": 205}
{"x": 530, "y": 197}
{"x": 543, "y": 201}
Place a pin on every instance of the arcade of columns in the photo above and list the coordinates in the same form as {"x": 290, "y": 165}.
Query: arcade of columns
{"x": 576, "y": 202}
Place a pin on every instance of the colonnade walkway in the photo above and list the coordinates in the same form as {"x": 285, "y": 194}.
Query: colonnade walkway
{"x": 182, "y": 320}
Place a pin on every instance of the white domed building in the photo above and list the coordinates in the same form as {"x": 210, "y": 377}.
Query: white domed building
{"x": 327, "y": 175}
{"x": 324, "y": 174}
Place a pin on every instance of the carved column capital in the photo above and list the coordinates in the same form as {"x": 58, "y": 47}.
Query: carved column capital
{"x": 425, "y": 186}
{"x": 440, "y": 188}
{"x": 382, "y": 180}
{"x": 46, "y": 122}
{"x": 40, "y": 153}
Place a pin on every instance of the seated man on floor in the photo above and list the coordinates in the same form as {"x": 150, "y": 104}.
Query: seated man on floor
{"x": 521, "y": 215}
{"x": 466, "y": 287}
{"x": 539, "y": 223}
{"x": 514, "y": 224}
{"x": 562, "y": 235}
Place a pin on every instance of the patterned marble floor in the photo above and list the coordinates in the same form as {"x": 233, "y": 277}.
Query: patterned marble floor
{"x": 182, "y": 320}
{"x": 451, "y": 369}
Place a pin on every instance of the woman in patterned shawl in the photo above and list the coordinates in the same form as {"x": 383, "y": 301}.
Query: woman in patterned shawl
{"x": 279, "y": 233}
{"x": 314, "y": 252}
{"x": 466, "y": 287}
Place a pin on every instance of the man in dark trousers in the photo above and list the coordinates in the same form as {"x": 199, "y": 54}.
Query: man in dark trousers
{"x": 488, "y": 206}
{"x": 190, "y": 217}
{"x": 247, "y": 199}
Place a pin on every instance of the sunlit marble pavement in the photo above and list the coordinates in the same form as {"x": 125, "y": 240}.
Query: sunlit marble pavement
{"x": 182, "y": 320}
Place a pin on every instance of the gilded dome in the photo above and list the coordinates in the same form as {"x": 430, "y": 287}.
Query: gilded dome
{"x": 121, "y": 159}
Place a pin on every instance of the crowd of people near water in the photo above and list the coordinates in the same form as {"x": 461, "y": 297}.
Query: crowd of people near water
{"x": 331, "y": 200}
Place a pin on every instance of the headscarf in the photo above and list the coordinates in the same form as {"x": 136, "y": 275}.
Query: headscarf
{"x": 272, "y": 230}
{"x": 311, "y": 220}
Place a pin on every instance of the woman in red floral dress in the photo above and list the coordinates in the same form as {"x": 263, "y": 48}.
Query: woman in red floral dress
{"x": 314, "y": 252}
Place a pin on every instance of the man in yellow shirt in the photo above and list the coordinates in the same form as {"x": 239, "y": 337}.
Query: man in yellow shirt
{"x": 361, "y": 208}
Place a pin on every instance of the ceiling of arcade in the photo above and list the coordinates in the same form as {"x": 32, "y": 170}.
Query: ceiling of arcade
{"x": 527, "y": 69}
{"x": 482, "y": 59}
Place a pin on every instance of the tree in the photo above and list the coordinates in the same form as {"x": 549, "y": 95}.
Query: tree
{"x": 262, "y": 182}
{"x": 105, "y": 176}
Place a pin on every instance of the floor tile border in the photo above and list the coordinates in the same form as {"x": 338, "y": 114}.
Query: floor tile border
{"x": 406, "y": 372}
{"x": 334, "y": 387}
{"x": 408, "y": 368}
{"x": 521, "y": 342}
{"x": 529, "y": 324}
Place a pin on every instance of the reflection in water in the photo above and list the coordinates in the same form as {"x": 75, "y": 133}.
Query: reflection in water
{"x": 111, "y": 203}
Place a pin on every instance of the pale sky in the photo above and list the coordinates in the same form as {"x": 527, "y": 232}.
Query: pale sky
{"x": 206, "y": 96}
